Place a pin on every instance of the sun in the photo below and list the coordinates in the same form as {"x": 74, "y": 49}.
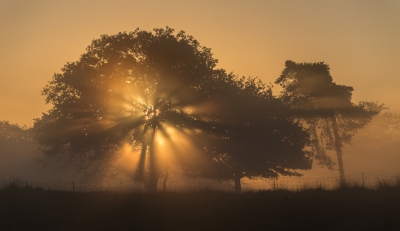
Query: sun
{"x": 149, "y": 112}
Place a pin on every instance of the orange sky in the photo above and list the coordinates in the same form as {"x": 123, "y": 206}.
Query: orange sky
{"x": 359, "y": 39}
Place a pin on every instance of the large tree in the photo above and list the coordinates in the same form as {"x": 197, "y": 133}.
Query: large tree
{"x": 324, "y": 107}
{"x": 126, "y": 89}
{"x": 250, "y": 136}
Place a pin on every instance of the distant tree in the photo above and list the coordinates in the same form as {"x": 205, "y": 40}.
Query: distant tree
{"x": 383, "y": 132}
{"x": 324, "y": 107}
{"x": 125, "y": 89}
{"x": 250, "y": 135}
{"x": 14, "y": 133}
{"x": 16, "y": 144}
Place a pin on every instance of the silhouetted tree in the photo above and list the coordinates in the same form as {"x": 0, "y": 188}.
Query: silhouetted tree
{"x": 16, "y": 146}
{"x": 324, "y": 107}
{"x": 250, "y": 135}
{"x": 14, "y": 133}
{"x": 125, "y": 89}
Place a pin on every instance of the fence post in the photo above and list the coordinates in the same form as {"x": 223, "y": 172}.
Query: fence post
{"x": 73, "y": 186}
{"x": 274, "y": 184}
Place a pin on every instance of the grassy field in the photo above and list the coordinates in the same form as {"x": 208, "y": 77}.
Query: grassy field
{"x": 350, "y": 208}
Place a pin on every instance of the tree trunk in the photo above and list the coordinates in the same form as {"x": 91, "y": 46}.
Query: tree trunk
{"x": 149, "y": 177}
{"x": 166, "y": 173}
{"x": 153, "y": 182}
{"x": 154, "y": 172}
{"x": 141, "y": 169}
{"x": 338, "y": 148}
{"x": 238, "y": 185}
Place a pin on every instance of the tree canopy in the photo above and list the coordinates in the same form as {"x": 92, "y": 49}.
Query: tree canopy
{"x": 124, "y": 86}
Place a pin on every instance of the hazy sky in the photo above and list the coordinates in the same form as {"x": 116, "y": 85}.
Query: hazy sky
{"x": 359, "y": 39}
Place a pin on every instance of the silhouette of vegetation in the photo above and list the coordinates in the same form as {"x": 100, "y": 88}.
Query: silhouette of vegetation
{"x": 342, "y": 209}
{"x": 324, "y": 107}
{"x": 15, "y": 140}
{"x": 147, "y": 88}
{"x": 250, "y": 135}
{"x": 13, "y": 133}
{"x": 17, "y": 149}
{"x": 126, "y": 88}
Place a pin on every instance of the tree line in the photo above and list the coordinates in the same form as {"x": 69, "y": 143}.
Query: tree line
{"x": 146, "y": 88}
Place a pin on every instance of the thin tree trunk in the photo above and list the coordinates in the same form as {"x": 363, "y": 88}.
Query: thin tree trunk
{"x": 166, "y": 173}
{"x": 338, "y": 148}
{"x": 141, "y": 169}
{"x": 238, "y": 184}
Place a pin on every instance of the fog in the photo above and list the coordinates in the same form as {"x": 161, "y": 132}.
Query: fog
{"x": 375, "y": 150}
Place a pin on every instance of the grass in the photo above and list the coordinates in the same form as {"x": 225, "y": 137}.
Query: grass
{"x": 24, "y": 207}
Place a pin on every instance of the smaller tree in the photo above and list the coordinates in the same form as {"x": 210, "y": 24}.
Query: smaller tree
{"x": 324, "y": 107}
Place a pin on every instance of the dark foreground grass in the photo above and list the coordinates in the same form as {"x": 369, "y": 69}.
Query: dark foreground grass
{"x": 344, "y": 209}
